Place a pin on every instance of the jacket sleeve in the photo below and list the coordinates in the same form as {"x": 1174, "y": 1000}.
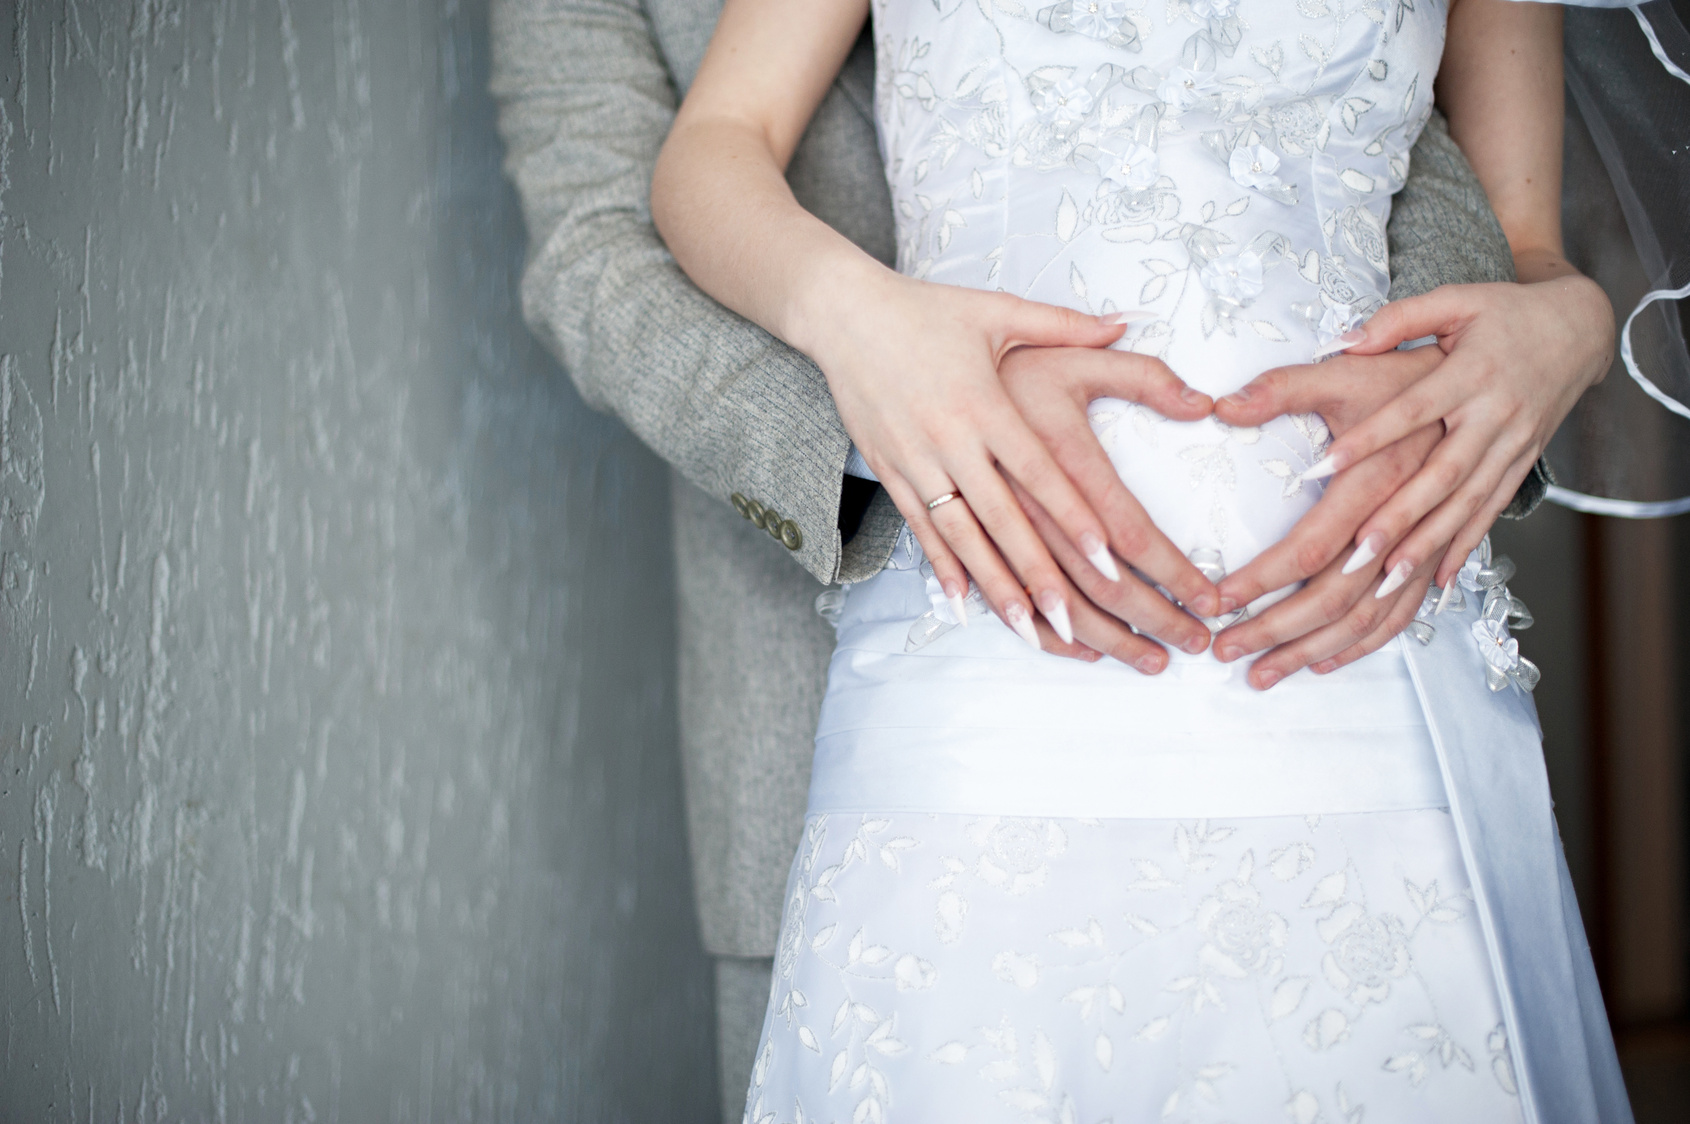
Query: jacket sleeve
{"x": 1443, "y": 232}
{"x": 585, "y": 101}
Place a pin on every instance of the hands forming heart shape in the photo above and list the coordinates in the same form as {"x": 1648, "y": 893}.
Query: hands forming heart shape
{"x": 1430, "y": 446}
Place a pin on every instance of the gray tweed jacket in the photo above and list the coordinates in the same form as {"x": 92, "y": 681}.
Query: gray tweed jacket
{"x": 587, "y": 90}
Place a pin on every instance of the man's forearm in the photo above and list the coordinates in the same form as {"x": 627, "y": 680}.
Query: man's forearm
{"x": 1443, "y": 232}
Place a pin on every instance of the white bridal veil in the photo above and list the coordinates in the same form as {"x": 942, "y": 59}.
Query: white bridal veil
{"x": 1625, "y": 448}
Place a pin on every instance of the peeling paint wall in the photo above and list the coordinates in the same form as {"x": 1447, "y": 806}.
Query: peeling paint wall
{"x": 337, "y": 770}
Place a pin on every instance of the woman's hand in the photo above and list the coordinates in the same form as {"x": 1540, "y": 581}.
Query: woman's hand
{"x": 917, "y": 371}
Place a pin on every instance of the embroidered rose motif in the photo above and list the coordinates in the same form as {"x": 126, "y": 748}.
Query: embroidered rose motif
{"x": 1365, "y": 235}
{"x": 1297, "y": 122}
{"x": 1249, "y": 937}
{"x": 1254, "y": 165}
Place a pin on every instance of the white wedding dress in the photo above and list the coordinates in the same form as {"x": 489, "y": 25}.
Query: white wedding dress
{"x": 1032, "y": 889}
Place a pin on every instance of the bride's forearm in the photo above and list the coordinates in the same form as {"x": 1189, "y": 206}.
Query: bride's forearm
{"x": 723, "y": 206}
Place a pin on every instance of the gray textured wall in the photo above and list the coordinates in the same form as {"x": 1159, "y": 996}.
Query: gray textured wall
{"x": 337, "y": 772}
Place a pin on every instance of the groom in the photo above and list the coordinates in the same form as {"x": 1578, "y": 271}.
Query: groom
{"x": 587, "y": 90}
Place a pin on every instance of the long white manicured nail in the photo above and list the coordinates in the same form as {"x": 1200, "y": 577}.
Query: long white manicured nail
{"x": 1444, "y": 597}
{"x": 957, "y": 605}
{"x": 1343, "y": 343}
{"x": 1097, "y": 553}
{"x": 1127, "y": 316}
{"x": 1022, "y": 623}
{"x": 1320, "y": 469}
{"x": 1393, "y": 580}
{"x": 1056, "y": 612}
{"x": 1365, "y": 553}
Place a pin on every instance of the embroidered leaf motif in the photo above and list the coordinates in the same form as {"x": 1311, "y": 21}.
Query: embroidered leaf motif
{"x": 951, "y": 1053}
{"x": 1153, "y": 1029}
{"x": 840, "y": 1061}
{"x": 1288, "y": 996}
{"x": 1327, "y": 891}
{"x": 1267, "y": 331}
{"x": 1067, "y": 218}
{"x": 1077, "y": 281}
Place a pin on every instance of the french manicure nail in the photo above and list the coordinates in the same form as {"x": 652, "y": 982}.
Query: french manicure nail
{"x": 1321, "y": 469}
{"x": 1343, "y": 343}
{"x": 954, "y": 595}
{"x": 1097, "y": 553}
{"x": 1365, "y": 553}
{"x": 1126, "y": 316}
{"x": 1393, "y": 580}
{"x": 1022, "y": 623}
{"x": 1444, "y": 597}
{"x": 1056, "y": 612}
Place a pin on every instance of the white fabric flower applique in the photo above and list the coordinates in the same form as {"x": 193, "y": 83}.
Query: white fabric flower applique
{"x": 1335, "y": 320}
{"x": 1234, "y": 278}
{"x": 1184, "y": 89}
{"x": 1214, "y": 9}
{"x": 1065, "y": 101}
{"x": 1129, "y": 164}
{"x": 1499, "y": 612}
{"x": 1254, "y": 165}
{"x": 1110, "y": 21}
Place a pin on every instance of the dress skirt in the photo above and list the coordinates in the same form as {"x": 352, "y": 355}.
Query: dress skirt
{"x": 948, "y": 967}
{"x": 1035, "y": 890}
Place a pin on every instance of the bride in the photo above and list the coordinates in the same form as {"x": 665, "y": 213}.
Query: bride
{"x": 1146, "y": 888}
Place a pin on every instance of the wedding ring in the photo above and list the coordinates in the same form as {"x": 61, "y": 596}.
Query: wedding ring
{"x": 946, "y": 498}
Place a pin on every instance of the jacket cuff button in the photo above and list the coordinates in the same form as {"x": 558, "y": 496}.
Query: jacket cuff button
{"x": 790, "y": 536}
{"x": 741, "y": 505}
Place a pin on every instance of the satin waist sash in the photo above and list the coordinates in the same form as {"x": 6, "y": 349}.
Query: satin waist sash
{"x": 977, "y": 723}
